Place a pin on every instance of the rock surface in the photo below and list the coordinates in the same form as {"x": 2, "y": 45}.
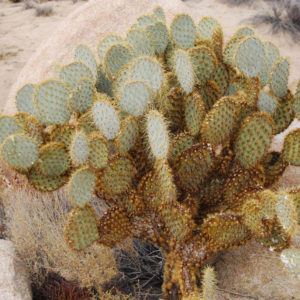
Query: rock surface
{"x": 14, "y": 282}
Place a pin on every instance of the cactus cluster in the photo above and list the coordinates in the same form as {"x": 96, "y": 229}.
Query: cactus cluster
{"x": 172, "y": 130}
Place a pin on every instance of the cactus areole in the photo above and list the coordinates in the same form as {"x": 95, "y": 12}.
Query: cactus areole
{"x": 171, "y": 128}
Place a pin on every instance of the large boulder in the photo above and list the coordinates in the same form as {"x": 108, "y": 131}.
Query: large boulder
{"x": 96, "y": 19}
{"x": 14, "y": 281}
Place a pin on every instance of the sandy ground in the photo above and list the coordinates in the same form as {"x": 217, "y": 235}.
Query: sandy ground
{"x": 21, "y": 32}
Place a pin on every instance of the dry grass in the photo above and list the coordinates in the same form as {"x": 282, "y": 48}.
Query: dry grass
{"x": 35, "y": 223}
{"x": 43, "y": 11}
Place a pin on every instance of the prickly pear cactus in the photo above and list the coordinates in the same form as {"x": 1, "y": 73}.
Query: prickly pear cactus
{"x": 172, "y": 130}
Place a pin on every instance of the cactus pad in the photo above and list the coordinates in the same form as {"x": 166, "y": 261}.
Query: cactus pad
{"x": 291, "y": 148}
{"x": 106, "y": 119}
{"x": 254, "y": 138}
{"x": 24, "y": 99}
{"x": 158, "y": 33}
{"x": 158, "y": 135}
{"x": 98, "y": 154}
{"x": 231, "y": 49}
{"x": 79, "y": 149}
{"x": 180, "y": 143}
{"x": 183, "y": 31}
{"x": 206, "y": 27}
{"x": 51, "y": 100}
{"x": 296, "y": 104}
{"x": 81, "y": 186}
{"x": 106, "y": 43}
{"x": 278, "y": 78}
{"x": 62, "y": 134}
{"x": 245, "y": 31}
{"x": 19, "y": 151}
{"x": 81, "y": 228}
{"x": 135, "y": 97}
{"x": 267, "y": 102}
{"x": 86, "y": 123}
{"x": 8, "y": 126}
{"x": 291, "y": 260}
{"x": 184, "y": 70}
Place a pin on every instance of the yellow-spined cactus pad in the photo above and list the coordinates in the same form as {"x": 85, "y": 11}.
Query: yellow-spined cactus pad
{"x": 79, "y": 148}
{"x": 86, "y": 56}
{"x": 204, "y": 61}
{"x": 250, "y": 56}
{"x": 114, "y": 226}
{"x": 54, "y": 159}
{"x": 210, "y": 93}
{"x": 221, "y": 78}
{"x": 81, "y": 186}
{"x": 51, "y": 99}
{"x": 20, "y": 151}
{"x": 267, "y": 102}
{"x": 291, "y": 148}
{"x": 25, "y": 100}
{"x": 106, "y": 119}
{"x": 180, "y": 143}
{"x": 254, "y": 139}
{"x": 217, "y": 42}
{"x": 33, "y": 128}
{"x": 117, "y": 56}
{"x": 279, "y": 76}
{"x": 159, "y": 13}
{"x": 184, "y": 70}
{"x": 193, "y": 166}
{"x": 106, "y": 43}
{"x": 73, "y": 73}
{"x": 45, "y": 183}
{"x": 230, "y": 50}
{"x": 81, "y": 228}
{"x": 158, "y": 134}
{"x": 8, "y": 126}
{"x": 98, "y": 145}
{"x": 183, "y": 31}
{"x": 82, "y": 98}
{"x": 117, "y": 176}
{"x": 127, "y": 135}
{"x": 194, "y": 113}
{"x": 291, "y": 260}
{"x": 147, "y": 69}
{"x": 219, "y": 122}
{"x": 296, "y": 103}
{"x": 62, "y": 134}
{"x": 209, "y": 283}
{"x": 86, "y": 123}
{"x": 135, "y": 97}
{"x": 245, "y": 31}
{"x": 141, "y": 42}
{"x": 206, "y": 27}
{"x": 158, "y": 33}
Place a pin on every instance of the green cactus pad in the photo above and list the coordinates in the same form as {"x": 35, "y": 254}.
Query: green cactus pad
{"x": 291, "y": 148}
{"x": 117, "y": 176}
{"x": 267, "y": 102}
{"x": 73, "y": 73}
{"x": 230, "y": 50}
{"x": 141, "y": 42}
{"x": 193, "y": 166}
{"x": 250, "y": 57}
{"x": 158, "y": 135}
{"x": 180, "y": 143}
{"x": 86, "y": 56}
{"x": 295, "y": 194}
{"x": 81, "y": 228}
{"x": 254, "y": 139}
{"x": 159, "y": 13}
{"x": 127, "y": 135}
{"x": 114, "y": 226}
{"x": 183, "y": 31}
{"x": 25, "y": 100}
{"x": 81, "y": 186}
{"x": 206, "y": 27}
{"x": 135, "y": 97}
{"x": 278, "y": 78}
{"x": 98, "y": 155}
{"x": 106, "y": 119}
{"x": 217, "y": 42}
{"x": 224, "y": 231}
{"x": 86, "y": 123}
{"x": 271, "y": 56}
{"x": 194, "y": 113}
{"x": 19, "y": 151}
{"x": 79, "y": 148}
{"x": 54, "y": 159}
{"x": 291, "y": 261}
{"x": 221, "y": 78}
{"x": 210, "y": 93}
{"x": 286, "y": 213}
{"x": 219, "y": 122}
{"x": 117, "y": 56}
{"x": 45, "y": 183}
{"x": 8, "y": 126}
{"x": 245, "y": 31}
{"x": 296, "y": 103}
{"x": 158, "y": 33}
{"x": 34, "y": 129}
{"x": 147, "y": 69}
{"x": 204, "y": 61}
{"x": 51, "y": 100}
{"x": 106, "y": 43}
{"x": 62, "y": 134}
{"x": 145, "y": 20}
{"x": 184, "y": 70}
{"x": 82, "y": 98}
{"x": 283, "y": 115}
